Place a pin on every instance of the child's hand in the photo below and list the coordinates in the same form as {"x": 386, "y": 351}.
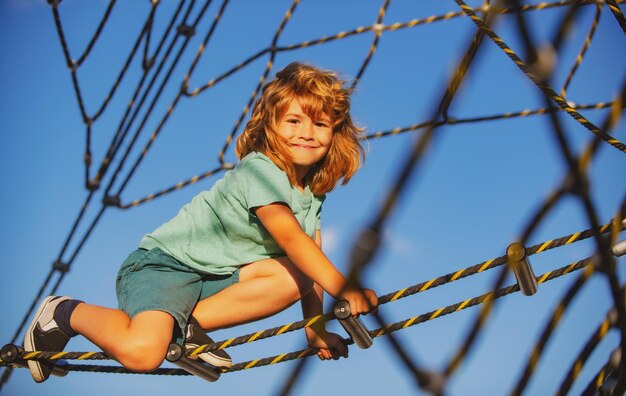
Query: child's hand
{"x": 330, "y": 345}
{"x": 361, "y": 301}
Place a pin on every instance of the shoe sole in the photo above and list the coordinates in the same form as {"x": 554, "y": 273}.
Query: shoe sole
{"x": 29, "y": 342}
{"x": 215, "y": 361}
{"x": 211, "y": 359}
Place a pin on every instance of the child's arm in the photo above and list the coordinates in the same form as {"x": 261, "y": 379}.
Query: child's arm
{"x": 330, "y": 345}
{"x": 308, "y": 257}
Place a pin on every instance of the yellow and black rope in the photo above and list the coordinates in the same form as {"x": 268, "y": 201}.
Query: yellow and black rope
{"x": 587, "y": 264}
{"x": 613, "y": 363}
{"x": 538, "y": 82}
{"x": 390, "y": 297}
{"x": 378, "y": 28}
{"x": 583, "y": 50}
{"x": 617, "y": 13}
{"x": 592, "y": 343}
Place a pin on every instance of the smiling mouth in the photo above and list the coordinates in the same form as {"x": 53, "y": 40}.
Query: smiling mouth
{"x": 302, "y": 146}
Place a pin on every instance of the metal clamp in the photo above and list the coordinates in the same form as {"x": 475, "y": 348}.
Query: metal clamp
{"x": 352, "y": 324}
{"x": 619, "y": 249}
{"x": 518, "y": 260}
{"x": 11, "y": 354}
{"x": 176, "y": 355}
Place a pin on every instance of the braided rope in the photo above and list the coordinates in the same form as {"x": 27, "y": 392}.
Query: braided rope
{"x": 387, "y": 298}
{"x": 584, "y": 354}
{"x": 617, "y": 13}
{"x": 553, "y": 322}
{"x": 538, "y": 82}
{"x": 374, "y": 135}
{"x": 393, "y": 296}
{"x": 453, "y": 121}
{"x": 587, "y": 264}
{"x": 598, "y": 380}
{"x": 583, "y": 50}
{"x": 377, "y": 28}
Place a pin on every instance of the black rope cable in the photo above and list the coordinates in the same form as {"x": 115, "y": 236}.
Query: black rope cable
{"x": 613, "y": 362}
{"x": 472, "y": 335}
{"x": 146, "y": 61}
{"x": 90, "y": 120}
{"x": 96, "y": 35}
{"x": 539, "y": 82}
{"x": 452, "y": 121}
{"x": 65, "y": 266}
{"x": 361, "y": 30}
{"x": 548, "y": 331}
{"x": 93, "y": 224}
{"x": 607, "y": 262}
{"x": 449, "y": 121}
{"x": 585, "y": 264}
{"x": 377, "y": 35}
{"x": 591, "y": 344}
{"x": 615, "y": 226}
{"x": 129, "y": 59}
{"x": 259, "y": 86}
{"x": 149, "y": 111}
{"x": 583, "y": 50}
{"x": 496, "y": 117}
{"x": 617, "y": 13}
{"x": 125, "y": 123}
{"x": 568, "y": 184}
{"x": 74, "y": 65}
{"x": 294, "y": 375}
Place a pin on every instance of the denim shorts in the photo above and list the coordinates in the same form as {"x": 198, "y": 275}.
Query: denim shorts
{"x": 151, "y": 280}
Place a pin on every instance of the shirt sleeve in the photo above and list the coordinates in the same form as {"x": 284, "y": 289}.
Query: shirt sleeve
{"x": 318, "y": 217}
{"x": 264, "y": 183}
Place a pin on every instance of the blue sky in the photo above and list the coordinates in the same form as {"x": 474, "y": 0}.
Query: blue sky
{"x": 475, "y": 189}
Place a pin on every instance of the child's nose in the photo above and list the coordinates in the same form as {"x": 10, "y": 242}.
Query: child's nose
{"x": 307, "y": 130}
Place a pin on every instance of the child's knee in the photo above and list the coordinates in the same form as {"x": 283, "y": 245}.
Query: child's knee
{"x": 143, "y": 354}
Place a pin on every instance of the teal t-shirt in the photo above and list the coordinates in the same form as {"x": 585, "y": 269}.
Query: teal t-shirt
{"x": 217, "y": 232}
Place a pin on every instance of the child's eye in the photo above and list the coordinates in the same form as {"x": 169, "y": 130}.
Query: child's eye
{"x": 321, "y": 124}
{"x": 293, "y": 121}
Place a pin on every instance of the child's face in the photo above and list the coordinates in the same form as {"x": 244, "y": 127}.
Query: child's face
{"x": 308, "y": 139}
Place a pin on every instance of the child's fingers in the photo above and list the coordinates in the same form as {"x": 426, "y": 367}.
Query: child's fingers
{"x": 340, "y": 349}
{"x": 325, "y": 354}
{"x": 373, "y": 301}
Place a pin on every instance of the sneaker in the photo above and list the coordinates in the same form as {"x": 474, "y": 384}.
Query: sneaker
{"x": 44, "y": 334}
{"x": 195, "y": 337}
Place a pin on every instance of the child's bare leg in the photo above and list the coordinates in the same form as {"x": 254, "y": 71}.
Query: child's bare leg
{"x": 140, "y": 343}
{"x": 265, "y": 287}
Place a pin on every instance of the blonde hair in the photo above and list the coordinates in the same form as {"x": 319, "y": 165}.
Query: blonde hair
{"x": 317, "y": 91}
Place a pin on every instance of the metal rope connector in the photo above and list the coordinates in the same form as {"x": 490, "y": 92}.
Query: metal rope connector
{"x": 619, "y": 248}
{"x": 176, "y": 355}
{"x": 186, "y": 30}
{"x": 352, "y": 324}
{"x": 11, "y": 354}
{"x": 112, "y": 200}
{"x": 518, "y": 260}
{"x": 60, "y": 266}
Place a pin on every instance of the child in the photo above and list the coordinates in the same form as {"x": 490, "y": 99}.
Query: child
{"x": 244, "y": 250}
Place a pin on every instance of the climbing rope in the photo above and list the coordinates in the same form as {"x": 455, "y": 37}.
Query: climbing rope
{"x": 181, "y": 28}
{"x": 588, "y": 264}
{"x": 592, "y": 343}
{"x": 538, "y": 82}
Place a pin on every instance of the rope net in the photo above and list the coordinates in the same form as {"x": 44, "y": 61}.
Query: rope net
{"x": 166, "y": 67}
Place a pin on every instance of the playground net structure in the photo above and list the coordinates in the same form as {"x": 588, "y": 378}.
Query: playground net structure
{"x": 166, "y": 66}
